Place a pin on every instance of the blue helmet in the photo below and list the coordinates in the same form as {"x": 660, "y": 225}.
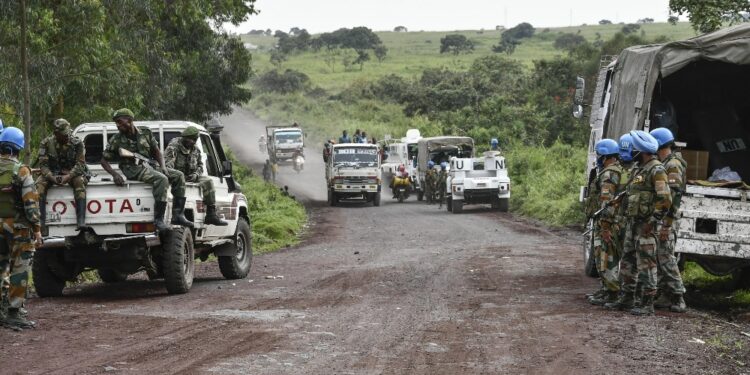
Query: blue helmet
{"x": 663, "y": 135}
{"x": 626, "y": 148}
{"x": 12, "y": 137}
{"x": 644, "y": 142}
{"x": 443, "y": 165}
{"x": 607, "y": 147}
{"x": 430, "y": 164}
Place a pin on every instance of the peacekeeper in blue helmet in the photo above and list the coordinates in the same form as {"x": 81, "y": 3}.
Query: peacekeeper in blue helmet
{"x": 670, "y": 286}
{"x": 607, "y": 245}
{"x": 648, "y": 202}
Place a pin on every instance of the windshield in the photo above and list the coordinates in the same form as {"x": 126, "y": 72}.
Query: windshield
{"x": 355, "y": 157}
{"x": 288, "y": 137}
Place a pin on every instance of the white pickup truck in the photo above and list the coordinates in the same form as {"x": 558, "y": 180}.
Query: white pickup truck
{"x": 122, "y": 239}
{"x": 478, "y": 181}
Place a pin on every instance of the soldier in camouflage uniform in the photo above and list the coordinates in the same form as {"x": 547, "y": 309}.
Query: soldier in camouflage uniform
{"x": 609, "y": 183}
{"x": 182, "y": 155}
{"x": 141, "y": 141}
{"x": 63, "y": 162}
{"x": 21, "y": 230}
{"x": 440, "y": 182}
{"x": 648, "y": 201}
{"x": 429, "y": 182}
{"x": 670, "y": 284}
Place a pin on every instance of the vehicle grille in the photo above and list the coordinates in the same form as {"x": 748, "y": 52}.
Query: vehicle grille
{"x": 355, "y": 180}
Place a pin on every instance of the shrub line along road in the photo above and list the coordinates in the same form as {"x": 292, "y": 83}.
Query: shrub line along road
{"x": 401, "y": 288}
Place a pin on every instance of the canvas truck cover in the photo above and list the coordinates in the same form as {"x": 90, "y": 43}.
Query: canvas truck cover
{"x": 433, "y": 144}
{"x": 638, "y": 69}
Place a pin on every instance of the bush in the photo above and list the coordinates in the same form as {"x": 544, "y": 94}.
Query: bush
{"x": 290, "y": 81}
{"x": 569, "y": 41}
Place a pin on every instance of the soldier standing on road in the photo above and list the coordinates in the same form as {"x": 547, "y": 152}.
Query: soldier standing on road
{"x": 609, "y": 183}
{"x": 21, "y": 231}
{"x": 141, "y": 141}
{"x": 182, "y": 155}
{"x": 429, "y": 182}
{"x": 62, "y": 160}
{"x": 648, "y": 200}
{"x": 670, "y": 284}
{"x": 442, "y": 178}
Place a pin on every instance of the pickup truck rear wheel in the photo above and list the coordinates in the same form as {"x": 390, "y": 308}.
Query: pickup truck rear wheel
{"x": 238, "y": 265}
{"x": 109, "y": 275}
{"x": 179, "y": 257}
{"x": 46, "y": 283}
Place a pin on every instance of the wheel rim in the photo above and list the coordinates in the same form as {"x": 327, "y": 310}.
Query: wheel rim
{"x": 241, "y": 244}
{"x": 186, "y": 258}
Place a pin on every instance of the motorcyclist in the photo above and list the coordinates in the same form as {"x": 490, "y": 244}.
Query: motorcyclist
{"x": 401, "y": 177}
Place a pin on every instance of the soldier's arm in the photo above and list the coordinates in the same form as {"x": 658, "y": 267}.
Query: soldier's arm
{"x": 79, "y": 169}
{"x": 169, "y": 155}
{"x": 44, "y": 161}
{"x": 610, "y": 182}
{"x": 675, "y": 177}
{"x": 109, "y": 154}
{"x": 663, "y": 198}
{"x": 30, "y": 198}
{"x": 199, "y": 167}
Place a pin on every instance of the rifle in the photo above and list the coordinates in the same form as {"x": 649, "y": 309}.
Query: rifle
{"x": 139, "y": 159}
{"x": 617, "y": 198}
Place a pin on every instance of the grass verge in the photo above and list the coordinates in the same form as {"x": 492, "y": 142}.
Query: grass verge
{"x": 713, "y": 292}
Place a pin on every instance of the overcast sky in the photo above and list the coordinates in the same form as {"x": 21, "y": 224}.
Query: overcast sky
{"x": 445, "y": 15}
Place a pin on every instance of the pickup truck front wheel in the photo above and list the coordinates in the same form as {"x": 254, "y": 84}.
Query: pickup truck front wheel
{"x": 458, "y": 207}
{"x": 179, "y": 257}
{"x": 46, "y": 283}
{"x": 238, "y": 265}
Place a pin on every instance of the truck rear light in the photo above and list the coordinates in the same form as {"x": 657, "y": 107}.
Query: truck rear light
{"x": 140, "y": 227}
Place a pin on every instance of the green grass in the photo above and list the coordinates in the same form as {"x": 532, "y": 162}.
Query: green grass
{"x": 716, "y": 292}
{"x": 410, "y": 53}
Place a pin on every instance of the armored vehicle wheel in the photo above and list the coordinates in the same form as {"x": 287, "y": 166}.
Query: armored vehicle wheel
{"x": 109, "y": 275}
{"x": 458, "y": 207}
{"x": 376, "y": 199}
{"x": 178, "y": 260}
{"x": 46, "y": 282}
{"x": 238, "y": 265}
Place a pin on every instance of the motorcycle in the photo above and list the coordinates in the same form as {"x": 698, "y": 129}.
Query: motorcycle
{"x": 401, "y": 188}
{"x": 298, "y": 162}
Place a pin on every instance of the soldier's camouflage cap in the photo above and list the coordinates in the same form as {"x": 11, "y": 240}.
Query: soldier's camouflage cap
{"x": 61, "y": 125}
{"x": 190, "y": 132}
{"x": 123, "y": 112}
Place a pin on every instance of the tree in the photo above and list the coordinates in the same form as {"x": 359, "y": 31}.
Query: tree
{"x": 569, "y": 41}
{"x": 380, "y": 52}
{"x": 278, "y": 57}
{"x": 456, "y": 44}
{"x": 645, "y": 20}
{"x": 707, "y": 16}
{"x": 400, "y": 29}
{"x": 630, "y": 28}
{"x": 605, "y": 22}
{"x": 512, "y": 37}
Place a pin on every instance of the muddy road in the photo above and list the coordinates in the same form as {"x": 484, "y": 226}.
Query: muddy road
{"x": 397, "y": 289}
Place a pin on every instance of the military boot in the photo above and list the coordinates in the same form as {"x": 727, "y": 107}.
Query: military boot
{"x": 624, "y": 302}
{"x": 212, "y": 218}
{"x": 14, "y": 320}
{"x": 663, "y": 301}
{"x": 678, "y": 304}
{"x": 159, "y": 209}
{"x": 178, "y": 213}
{"x": 81, "y": 214}
{"x": 598, "y": 294}
{"x": 646, "y": 308}
{"x": 607, "y": 297}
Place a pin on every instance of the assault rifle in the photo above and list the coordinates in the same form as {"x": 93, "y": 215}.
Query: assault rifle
{"x": 139, "y": 159}
{"x": 617, "y": 198}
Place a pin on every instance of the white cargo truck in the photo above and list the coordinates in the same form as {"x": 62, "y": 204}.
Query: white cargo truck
{"x": 353, "y": 173}
{"x": 481, "y": 180}
{"x": 698, "y": 89}
{"x": 122, "y": 239}
{"x": 284, "y": 142}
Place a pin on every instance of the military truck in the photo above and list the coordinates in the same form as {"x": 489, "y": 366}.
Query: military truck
{"x": 284, "y": 142}
{"x": 440, "y": 149}
{"x": 122, "y": 238}
{"x": 482, "y": 180}
{"x": 353, "y": 173}
{"x": 697, "y": 89}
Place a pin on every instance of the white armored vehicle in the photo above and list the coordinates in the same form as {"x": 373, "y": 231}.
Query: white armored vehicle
{"x": 122, "y": 238}
{"x": 482, "y": 180}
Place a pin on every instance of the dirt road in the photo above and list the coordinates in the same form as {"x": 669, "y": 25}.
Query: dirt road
{"x": 397, "y": 289}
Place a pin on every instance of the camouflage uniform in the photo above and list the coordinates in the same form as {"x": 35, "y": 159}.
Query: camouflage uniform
{"x": 648, "y": 199}
{"x": 440, "y": 186}
{"x": 57, "y": 159}
{"x": 142, "y": 143}
{"x": 609, "y": 183}
{"x": 429, "y": 185}
{"x": 19, "y": 214}
{"x": 670, "y": 280}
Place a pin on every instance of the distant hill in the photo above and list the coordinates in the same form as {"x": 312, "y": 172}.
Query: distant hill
{"x": 411, "y": 52}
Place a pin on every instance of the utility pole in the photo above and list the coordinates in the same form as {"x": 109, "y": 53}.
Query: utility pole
{"x": 25, "y": 77}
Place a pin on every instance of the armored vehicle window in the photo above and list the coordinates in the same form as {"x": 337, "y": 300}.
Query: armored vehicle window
{"x": 212, "y": 163}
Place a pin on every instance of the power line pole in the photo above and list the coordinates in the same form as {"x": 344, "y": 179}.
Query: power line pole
{"x": 25, "y": 77}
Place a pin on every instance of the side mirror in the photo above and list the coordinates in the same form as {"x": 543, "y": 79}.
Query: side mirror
{"x": 578, "y": 111}
{"x": 580, "y": 90}
{"x": 227, "y": 166}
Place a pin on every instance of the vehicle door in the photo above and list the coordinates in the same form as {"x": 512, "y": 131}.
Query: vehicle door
{"x": 213, "y": 169}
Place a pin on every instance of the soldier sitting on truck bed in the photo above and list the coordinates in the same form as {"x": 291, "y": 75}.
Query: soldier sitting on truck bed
{"x": 182, "y": 155}
{"x": 63, "y": 162}
{"x": 141, "y": 141}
